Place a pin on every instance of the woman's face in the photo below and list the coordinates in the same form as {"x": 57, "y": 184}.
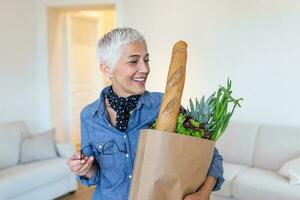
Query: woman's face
{"x": 130, "y": 73}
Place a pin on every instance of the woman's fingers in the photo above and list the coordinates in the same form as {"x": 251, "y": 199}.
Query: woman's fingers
{"x": 74, "y": 159}
{"x": 81, "y": 164}
{"x": 76, "y": 163}
{"x": 84, "y": 159}
{"x": 85, "y": 167}
{"x": 75, "y": 156}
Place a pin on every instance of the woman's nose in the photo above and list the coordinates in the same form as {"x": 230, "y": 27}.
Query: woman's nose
{"x": 144, "y": 67}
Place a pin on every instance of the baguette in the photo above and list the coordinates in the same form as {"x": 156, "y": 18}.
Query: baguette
{"x": 169, "y": 110}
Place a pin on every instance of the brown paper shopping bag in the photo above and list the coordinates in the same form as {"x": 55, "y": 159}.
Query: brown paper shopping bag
{"x": 169, "y": 166}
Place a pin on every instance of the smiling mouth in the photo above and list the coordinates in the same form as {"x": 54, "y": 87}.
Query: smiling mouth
{"x": 140, "y": 79}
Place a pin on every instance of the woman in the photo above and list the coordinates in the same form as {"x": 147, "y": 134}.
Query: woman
{"x": 110, "y": 126}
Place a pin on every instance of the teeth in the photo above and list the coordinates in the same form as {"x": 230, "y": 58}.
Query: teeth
{"x": 139, "y": 79}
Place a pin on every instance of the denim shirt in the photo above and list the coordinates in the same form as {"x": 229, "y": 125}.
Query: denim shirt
{"x": 114, "y": 151}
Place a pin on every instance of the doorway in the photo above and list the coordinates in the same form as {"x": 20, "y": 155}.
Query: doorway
{"x": 75, "y": 77}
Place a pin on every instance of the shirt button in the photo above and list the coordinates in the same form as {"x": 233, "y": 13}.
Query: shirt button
{"x": 125, "y": 136}
{"x": 127, "y": 155}
{"x": 100, "y": 146}
{"x": 129, "y": 176}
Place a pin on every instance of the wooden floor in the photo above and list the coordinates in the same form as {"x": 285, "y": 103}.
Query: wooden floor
{"x": 82, "y": 193}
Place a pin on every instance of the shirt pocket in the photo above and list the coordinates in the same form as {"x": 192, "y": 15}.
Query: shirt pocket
{"x": 107, "y": 162}
{"x": 103, "y": 153}
{"x": 110, "y": 154}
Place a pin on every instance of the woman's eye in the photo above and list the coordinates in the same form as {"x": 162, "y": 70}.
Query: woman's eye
{"x": 133, "y": 61}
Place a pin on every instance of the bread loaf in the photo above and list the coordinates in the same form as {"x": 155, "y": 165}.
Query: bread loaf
{"x": 169, "y": 110}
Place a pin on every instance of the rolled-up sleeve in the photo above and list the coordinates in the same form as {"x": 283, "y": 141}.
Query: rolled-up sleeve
{"x": 216, "y": 170}
{"x": 84, "y": 145}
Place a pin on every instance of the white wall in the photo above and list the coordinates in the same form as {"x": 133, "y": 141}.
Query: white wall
{"x": 24, "y": 72}
{"x": 255, "y": 43}
{"x": 18, "y": 62}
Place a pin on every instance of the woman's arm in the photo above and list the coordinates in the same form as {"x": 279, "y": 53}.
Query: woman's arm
{"x": 213, "y": 181}
{"x": 93, "y": 175}
{"x": 216, "y": 170}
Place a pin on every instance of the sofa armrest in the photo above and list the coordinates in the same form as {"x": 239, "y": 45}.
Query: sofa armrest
{"x": 291, "y": 170}
{"x": 65, "y": 149}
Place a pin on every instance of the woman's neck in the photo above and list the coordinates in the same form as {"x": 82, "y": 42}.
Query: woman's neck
{"x": 118, "y": 93}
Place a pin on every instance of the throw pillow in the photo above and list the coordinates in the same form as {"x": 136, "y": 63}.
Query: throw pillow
{"x": 38, "y": 147}
{"x": 9, "y": 144}
{"x": 291, "y": 170}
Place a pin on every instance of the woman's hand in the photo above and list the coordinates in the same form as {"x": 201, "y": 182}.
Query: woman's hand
{"x": 83, "y": 166}
{"x": 204, "y": 191}
{"x": 197, "y": 196}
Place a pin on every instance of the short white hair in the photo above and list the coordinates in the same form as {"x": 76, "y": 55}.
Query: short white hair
{"x": 109, "y": 46}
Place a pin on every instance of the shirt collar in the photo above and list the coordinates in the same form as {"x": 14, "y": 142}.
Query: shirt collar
{"x": 100, "y": 106}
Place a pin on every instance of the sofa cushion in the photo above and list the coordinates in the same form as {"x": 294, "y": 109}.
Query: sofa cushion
{"x": 10, "y": 134}
{"x": 291, "y": 170}
{"x": 260, "y": 184}
{"x": 236, "y": 145}
{"x": 43, "y": 142}
{"x": 14, "y": 180}
{"x": 230, "y": 172}
{"x": 65, "y": 149}
{"x": 276, "y": 145}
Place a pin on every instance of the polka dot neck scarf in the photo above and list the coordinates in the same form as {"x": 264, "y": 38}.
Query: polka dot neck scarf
{"x": 123, "y": 106}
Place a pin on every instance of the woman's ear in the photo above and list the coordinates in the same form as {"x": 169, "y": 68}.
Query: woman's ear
{"x": 106, "y": 70}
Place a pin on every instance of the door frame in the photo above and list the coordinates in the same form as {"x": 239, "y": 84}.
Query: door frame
{"x": 42, "y": 52}
{"x": 68, "y": 18}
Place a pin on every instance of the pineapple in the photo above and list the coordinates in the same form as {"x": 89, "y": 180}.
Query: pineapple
{"x": 202, "y": 112}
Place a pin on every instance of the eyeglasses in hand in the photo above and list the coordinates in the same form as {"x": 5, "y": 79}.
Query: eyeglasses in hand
{"x": 107, "y": 148}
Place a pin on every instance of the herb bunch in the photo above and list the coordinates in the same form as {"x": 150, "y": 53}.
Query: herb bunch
{"x": 214, "y": 113}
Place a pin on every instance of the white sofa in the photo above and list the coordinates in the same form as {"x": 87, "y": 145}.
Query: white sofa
{"x": 42, "y": 179}
{"x": 253, "y": 154}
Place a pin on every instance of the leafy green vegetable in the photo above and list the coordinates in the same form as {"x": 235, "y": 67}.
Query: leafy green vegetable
{"x": 221, "y": 117}
{"x": 207, "y": 118}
